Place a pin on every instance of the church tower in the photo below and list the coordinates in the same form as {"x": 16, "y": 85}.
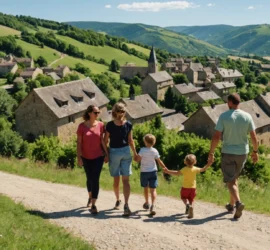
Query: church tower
{"x": 152, "y": 62}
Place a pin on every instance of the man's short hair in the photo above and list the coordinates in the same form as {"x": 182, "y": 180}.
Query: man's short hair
{"x": 234, "y": 98}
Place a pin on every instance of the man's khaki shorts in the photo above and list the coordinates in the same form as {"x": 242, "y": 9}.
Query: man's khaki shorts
{"x": 232, "y": 166}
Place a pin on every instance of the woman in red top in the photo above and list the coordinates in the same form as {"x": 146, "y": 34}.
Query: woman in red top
{"x": 90, "y": 152}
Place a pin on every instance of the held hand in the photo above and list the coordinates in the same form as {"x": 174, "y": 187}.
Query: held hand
{"x": 80, "y": 162}
{"x": 211, "y": 158}
{"x": 254, "y": 157}
{"x": 106, "y": 159}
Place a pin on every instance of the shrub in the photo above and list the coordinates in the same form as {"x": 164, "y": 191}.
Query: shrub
{"x": 46, "y": 149}
{"x": 68, "y": 156}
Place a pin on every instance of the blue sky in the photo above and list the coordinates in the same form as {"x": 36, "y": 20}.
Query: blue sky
{"x": 157, "y": 12}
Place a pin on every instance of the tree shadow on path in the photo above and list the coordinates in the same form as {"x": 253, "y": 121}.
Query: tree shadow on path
{"x": 179, "y": 218}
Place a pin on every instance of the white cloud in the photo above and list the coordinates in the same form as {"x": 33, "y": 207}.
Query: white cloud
{"x": 157, "y": 6}
{"x": 251, "y": 7}
{"x": 108, "y": 6}
{"x": 211, "y": 5}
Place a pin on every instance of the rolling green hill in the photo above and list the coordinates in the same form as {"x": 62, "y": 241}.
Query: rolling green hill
{"x": 105, "y": 52}
{"x": 157, "y": 36}
{"x": 249, "y": 39}
{"x": 6, "y": 31}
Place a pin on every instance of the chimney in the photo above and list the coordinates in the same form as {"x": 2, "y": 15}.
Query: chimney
{"x": 212, "y": 105}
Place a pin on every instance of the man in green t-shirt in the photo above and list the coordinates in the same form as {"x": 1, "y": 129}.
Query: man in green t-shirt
{"x": 233, "y": 127}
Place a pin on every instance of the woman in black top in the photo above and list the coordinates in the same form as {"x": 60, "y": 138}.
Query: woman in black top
{"x": 119, "y": 132}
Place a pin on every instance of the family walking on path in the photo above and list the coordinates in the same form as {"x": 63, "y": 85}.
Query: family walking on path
{"x": 233, "y": 128}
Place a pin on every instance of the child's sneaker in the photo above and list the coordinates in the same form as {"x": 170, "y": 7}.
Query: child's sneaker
{"x": 239, "y": 208}
{"x": 88, "y": 202}
{"x": 93, "y": 209}
{"x": 152, "y": 210}
{"x": 117, "y": 205}
{"x": 127, "y": 211}
{"x": 187, "y": 208}
{"x": 230, "y": 208}
{"x": 146, "y": 206}
{"x": 190, "y": 212}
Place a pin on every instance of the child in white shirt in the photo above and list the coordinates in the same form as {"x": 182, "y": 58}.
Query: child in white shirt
{"x": 148, "y": 157}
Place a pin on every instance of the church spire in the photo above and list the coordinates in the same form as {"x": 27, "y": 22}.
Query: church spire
{"x": 152, "y": 62}
{"x": 152, "y": 57}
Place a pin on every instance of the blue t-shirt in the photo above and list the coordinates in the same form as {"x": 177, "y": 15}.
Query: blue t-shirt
{"x": 118, "y": 134}
{"x": 235, "y": 124}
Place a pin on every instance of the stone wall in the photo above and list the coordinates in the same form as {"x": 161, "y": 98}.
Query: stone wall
{"x": 128, "y": 72}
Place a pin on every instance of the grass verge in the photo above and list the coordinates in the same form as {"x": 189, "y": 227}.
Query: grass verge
{"x": 21, "y": 229}
{"x": 209, "y": 185}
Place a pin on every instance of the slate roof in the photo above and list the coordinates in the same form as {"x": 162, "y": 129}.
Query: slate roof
{"x": 185, "y": 88}
{"x": 174, "y": 121}
{"x": 207, "y": 95}
{"x": 196, "y": 66}
{"x": 228, "y": 73}
{"x": 66, "y": 92}
{"x": 224, "y": 85}
{"x": 259, "y": 117}
{"x": 141, "y": 106}
{"x": 265, "y": 66}
{"x": 161, "y": 76}
{"x": 54, "y": 76}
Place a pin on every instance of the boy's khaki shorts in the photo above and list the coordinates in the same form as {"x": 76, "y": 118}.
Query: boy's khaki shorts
{"x": 232, "y": 166}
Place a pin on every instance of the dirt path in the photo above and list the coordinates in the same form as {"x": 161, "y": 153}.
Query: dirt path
{"x": 55, "y": 61}
{"x": 169, "y": 229}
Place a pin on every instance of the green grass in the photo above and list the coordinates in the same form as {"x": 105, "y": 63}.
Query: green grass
{"x": 3, "y": 81}
{"x": 94, "y": 67}
{"x": 49, "y": 54}
{"x": 139, "y": 48}
{"x": 106, "y": 52}
{"x": 210, "y": 185}
{"x": 42, "y": 29}
{"x": 6, "y": 31}
{"x": 21, "y": 229}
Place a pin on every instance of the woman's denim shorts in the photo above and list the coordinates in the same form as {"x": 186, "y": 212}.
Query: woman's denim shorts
{"x": 120, "y": 161}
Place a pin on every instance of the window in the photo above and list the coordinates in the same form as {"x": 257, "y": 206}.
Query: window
{"x": 77, "y": 99}
{"x": 61, "y": 103}
{"x": 90, "y": 94}
{"x": 71, "y": 119}
{"x": 261, "y": 141}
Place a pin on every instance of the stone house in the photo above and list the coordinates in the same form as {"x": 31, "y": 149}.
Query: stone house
{"x": 57, "y": 110}
{"x": 141, "y": 108}
{"x": 228, "y": 75}
{"x": 27, "y": 62}
{"x": 173, "y": 120}
{"x": 203, "y": 121}
{"x": 187, "y": 90}
{"x": 156, "y": 84}
{"x": 8, "y": 67}
{"x": 200, "y": 97}
{"x": 196, "y": 74}
{"x": 31, "y": 73}
{"x": 54, "y": 76}
{"x": 223, "y": 89}
{"x": 175, "y": 65}
{"x": 62, "y": 71}
{"x": 130, "y": 70}
{"x": 265, "y": 67}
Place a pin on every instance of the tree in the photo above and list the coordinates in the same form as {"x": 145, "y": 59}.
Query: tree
{"x": 240, "y": 83}
{"x": 180, "y": 78}
{"x": 114, "y": 66}
{"x": 45, "y": 80}
{"x": 41, "y": 61}
{"x": 32, "y": 84}
{"x": 169, "y": 99}
{"x": 250, "y": 77}
{"x": 28, "y": 54}
{"x": 7, "y": 104}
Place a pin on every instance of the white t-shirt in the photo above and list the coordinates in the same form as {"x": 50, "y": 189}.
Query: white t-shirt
{"x": 148, "y": 163}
